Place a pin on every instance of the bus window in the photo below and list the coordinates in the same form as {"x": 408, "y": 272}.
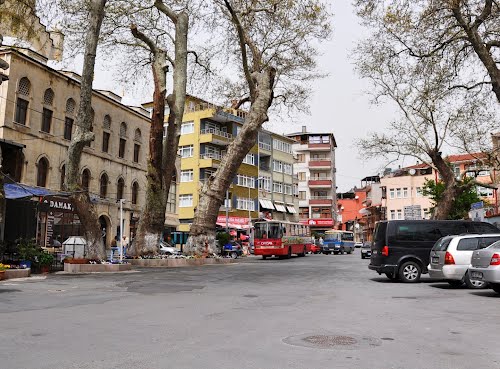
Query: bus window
{"x": 275, "y": 231}
{"x": 261, "y": 230}
{"x": 347, "y": 236}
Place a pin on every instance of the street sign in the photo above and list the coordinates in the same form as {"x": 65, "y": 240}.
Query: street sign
{"x": 413, "y": 212}
{"x": 477, "y": 205}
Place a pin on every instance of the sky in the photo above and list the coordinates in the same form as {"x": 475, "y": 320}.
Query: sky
{"x": 339, "y": 102}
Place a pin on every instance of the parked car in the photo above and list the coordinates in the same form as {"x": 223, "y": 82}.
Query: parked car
{"x": 485, "y": 266}
{"x": 450, "y": 258}
{"x": 358, "y": 244}
{"x": 401, "y": 248}
{"x": 167, "y": 249}
{"x": 233, "y": 249}
{"x": 366, "y": 250}
{"x": 315, "y": 249}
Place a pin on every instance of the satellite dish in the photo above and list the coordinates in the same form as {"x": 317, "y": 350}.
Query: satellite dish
{"x": 412, "y": 172}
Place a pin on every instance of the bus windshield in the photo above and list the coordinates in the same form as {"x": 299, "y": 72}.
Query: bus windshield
{"x": 261, "y": 230}
{"x": 274, "y": 230}
{"x": 332, "y": 236}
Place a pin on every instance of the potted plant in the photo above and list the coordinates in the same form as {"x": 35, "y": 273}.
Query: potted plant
{"x": 3, "y": 268}
{"x": 27, "y": 252}
{"x": 45, "y": 260}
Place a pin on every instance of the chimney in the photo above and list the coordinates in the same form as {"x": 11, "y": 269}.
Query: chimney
{"x": 304, "y": 129}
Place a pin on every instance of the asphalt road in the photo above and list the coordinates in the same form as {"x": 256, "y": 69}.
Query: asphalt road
{"x": 313, "y": 312}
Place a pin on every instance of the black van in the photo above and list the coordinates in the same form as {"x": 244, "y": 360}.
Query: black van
{"x": 401, "y": 248}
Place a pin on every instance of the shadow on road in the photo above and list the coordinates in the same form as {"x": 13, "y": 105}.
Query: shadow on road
{"x": 486, "y": 293}
{"x": 447, "y": 286}
{"x": 387, "y": 280}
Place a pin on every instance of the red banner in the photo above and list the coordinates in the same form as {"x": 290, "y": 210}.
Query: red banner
{"x": 323, "y": 222}
{"x": 234, "y": 220}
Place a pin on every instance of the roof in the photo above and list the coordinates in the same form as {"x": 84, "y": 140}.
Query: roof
{"x": 466, "y": 157}
{"x": 17, "y": 191}
{"x": 417, "y": 166}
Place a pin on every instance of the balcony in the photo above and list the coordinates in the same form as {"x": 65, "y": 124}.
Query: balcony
{"x": 319, "y": 147}
{"x": 321, "y": 200}
{"x": 264, "y": 146}
{"x": 215, "y": 136}
{"x": 210, "y": 160}
{"x": 320, "y": 164}
{"x": 320, "y": 183}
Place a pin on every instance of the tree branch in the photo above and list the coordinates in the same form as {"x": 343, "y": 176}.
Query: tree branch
{"x": 141, "y": 36}
{"x": 166, "y": 10}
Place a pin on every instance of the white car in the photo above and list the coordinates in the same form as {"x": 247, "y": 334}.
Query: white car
{"x": 450, "y": 258}
{"x": 168, "y": 250}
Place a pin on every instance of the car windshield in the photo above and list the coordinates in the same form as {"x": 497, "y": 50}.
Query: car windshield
{"x": 442, "y": 244}
{"x": 495, "y": 246}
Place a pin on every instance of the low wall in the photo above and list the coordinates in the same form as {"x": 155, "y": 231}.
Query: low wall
{"x": 96, "y": 268}
{"x": 17, "y": 273}
{"x": 177, "y": 263}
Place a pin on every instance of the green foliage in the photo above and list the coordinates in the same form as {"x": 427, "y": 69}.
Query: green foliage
{"x": 44, "y": 258}
{"x": 461, "y": 204}
{"x": 223, "y": 238}
{"x": 27, "y": 249}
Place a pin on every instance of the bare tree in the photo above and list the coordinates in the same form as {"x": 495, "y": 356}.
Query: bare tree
{"x": 83, "y": 135}
{"x": 433, "y": 117}
{"x": 462, "y": 33}
{"x": 275, "y": 57}
{"x": 3, "y": 201}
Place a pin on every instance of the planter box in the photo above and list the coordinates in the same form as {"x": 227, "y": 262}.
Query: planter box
{"x": 177, "y": 263}
{"x": 96, "y": 268}
{"x": 17, "y": 273}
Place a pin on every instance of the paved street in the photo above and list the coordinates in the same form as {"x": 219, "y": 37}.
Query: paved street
{"x": 253, "y": 314}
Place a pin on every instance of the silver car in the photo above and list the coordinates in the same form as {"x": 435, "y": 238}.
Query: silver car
{"x": 450, "y": 258}
{"x": 485, "y": 266}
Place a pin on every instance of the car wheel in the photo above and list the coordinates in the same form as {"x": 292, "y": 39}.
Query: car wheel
{"x": 455, "y": 283}
{"x": 362, "y": 256}
{"x": 392, "y": 277}
{"x": 410, "y": 272}
{"x": 234, "y": 255}
{"x": 350, "y": 251}
{"x": 264, "y": 257}
{"x": 473, "y": 284}
{"x": 495, "y": 287}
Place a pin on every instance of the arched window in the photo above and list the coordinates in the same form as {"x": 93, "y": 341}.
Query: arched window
{"x": 42, "y": 172}
{"x": 137, "y": 145}
{"x": 123, "y": 140}
{"x": 68, "y": 121}
{"x": 106, "y": 126}
{"x": 119, "y": 189}
{"x": 63, "y": 177}
{"x": 135, "y": 192}
{"x": 86, "y": 180}
{"x": 103, "y": 185}
{"x": 137, "y": 135}
{"x": 22, "y": 102}
{"x": 48, "y": 100}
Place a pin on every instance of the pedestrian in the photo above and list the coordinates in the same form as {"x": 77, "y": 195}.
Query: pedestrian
{"x": 321, "y": 241}
{"x": 114, "y": 242}
{"x": 124, "y": 244}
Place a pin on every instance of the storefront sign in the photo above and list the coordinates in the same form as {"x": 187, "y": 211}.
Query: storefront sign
{"x": 234, "y": 220}
{"x": 324, "y": 222}
{"x": 57, "y": 204}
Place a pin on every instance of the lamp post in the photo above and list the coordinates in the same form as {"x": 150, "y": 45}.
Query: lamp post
{"x": 227, "y": 210}
{"x": 121, "y": 229}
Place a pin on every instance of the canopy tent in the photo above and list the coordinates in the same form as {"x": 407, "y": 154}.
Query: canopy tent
{"x": 15, "y": 191}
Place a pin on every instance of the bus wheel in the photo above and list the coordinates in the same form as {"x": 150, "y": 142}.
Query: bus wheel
{"x": 264, "y": 257}
{"x": 302, "y": 253}
{"x": 289, "y": 255}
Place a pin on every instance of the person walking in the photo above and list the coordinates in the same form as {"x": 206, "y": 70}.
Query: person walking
{"x": 124, "y": 244}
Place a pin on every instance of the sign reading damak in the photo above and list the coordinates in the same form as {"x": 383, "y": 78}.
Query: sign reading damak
{"x": 57, "y": 204}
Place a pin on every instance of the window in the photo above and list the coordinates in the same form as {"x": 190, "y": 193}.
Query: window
{"x": 186, "y": 151}
{"x": 245, "y": 204}
{"x": 467, "y": 244}
{"x": 22, "y": 101}
{"x": 484, "y": 192}
{"x": 185, "y": 201}
{"x": 70, "y": 106}
{"x": 400, "y": 214}
{"x": 249, "y": 159}
{"x": 86, "y": 179}
{"x": 418, "y": 192}
{"x": 106, "y": 123}
{"x": 393, "y": 214}
{"x": 391, "y": 193}
{"x": 288, "y": 189}
{"x": 245, "y": 181}
{"x": 121, "y": 148}
{"x": 46, "y": 120}
{"x": 137, "y": 151}
{"x": 277, "y": 166}
{"x": 135, "y": 193}
{"x": 187, "y": 175}
{"x": 103, "y": 185}
{"x": 120, "y": 188}
{"x": 278, "y": 187}
{"x": 42, "y": 172}
{"x": 302, "y": 195}
{"x": 137, "y": 135}
{"x": 303, "y": 213}
{"x": 68, "y": 128}
{"x": 105, "y": 141}
{"x": 287, "y": 168}
{"x": 282, "y": 146}
{"x": 172, "y": 196}
{"x": 63, "y": 177}
{"x": 398, "y": 193}
{"x": 301, "y": 158}
{"x": 187, "y": 127}
{"x": 265, "y": 184}
{"x": 405, "y": 192}
{"x": 302, "y": 176}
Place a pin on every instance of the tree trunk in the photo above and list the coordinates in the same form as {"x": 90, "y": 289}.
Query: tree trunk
{"x": 202, "y": 234}
{"x": 451, "y": 191}
{"x": 3, "y": 200}
{"x": 152, "y": 218}
{"x": 83, "y": 136}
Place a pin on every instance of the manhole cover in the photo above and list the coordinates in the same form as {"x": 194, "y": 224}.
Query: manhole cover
{"x": 328, "y": 341}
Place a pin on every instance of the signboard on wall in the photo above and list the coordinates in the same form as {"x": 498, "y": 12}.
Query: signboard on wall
{"x": 321, "y": 222}
{"x": 413, "y": 212}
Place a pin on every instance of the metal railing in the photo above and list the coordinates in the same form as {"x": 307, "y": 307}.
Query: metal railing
{"x": 211, "y": 155}
{"x": 264, "y": 146}
{"x": 320, "y": 179}
{"x": 321, "y": 198}
{"x": 216, "y": 132}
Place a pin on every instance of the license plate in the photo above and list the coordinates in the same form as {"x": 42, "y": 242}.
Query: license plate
{"x": 476, "y": 275}
{"x": 435, "y": 260}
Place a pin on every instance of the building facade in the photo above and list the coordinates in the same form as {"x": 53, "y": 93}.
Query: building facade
{"x": 315, "y": 170}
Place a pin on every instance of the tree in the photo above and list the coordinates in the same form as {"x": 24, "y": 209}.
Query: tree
{"x": 433, "y": 117}
{"x": 462, "y": 202}
{"x": 462, "y": 33}
{"x": 83, "y": 135}
{"x": 3, "y": 202}
{"x": 275, "y": 56}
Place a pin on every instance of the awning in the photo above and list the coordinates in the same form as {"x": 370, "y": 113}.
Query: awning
{"x": 280, "y": 207}
{"x": 266, "y": 204}
{"x": 233, "y": 225}
{"x": 17, "y": 191}
{"x": 291, "y": 209}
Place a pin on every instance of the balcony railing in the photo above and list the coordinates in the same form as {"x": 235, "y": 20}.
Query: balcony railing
{"x": 266, "y": 168}
{"x": 321, "y": 197}
{"x": 264, "y": 146}
{"x": 216, "y": 132}
{"x": 211, "y": 155}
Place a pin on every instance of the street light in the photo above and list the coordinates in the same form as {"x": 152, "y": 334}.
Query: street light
{"x": 121, "y": 229}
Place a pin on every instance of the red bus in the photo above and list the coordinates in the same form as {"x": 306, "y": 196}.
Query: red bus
{"x": 281, "y": 238}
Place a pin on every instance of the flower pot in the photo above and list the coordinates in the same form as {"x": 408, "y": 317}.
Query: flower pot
{"x": 76, "y": 261}
{"x": 45, "y": 269}
{"x": 2, "y": 274}
{"x": 26, "y": 264}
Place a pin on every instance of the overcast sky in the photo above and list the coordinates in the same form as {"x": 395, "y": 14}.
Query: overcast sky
{"x": 339, "y": 103}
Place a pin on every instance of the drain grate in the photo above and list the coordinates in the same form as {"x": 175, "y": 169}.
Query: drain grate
{"x": 330, "y": 341}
